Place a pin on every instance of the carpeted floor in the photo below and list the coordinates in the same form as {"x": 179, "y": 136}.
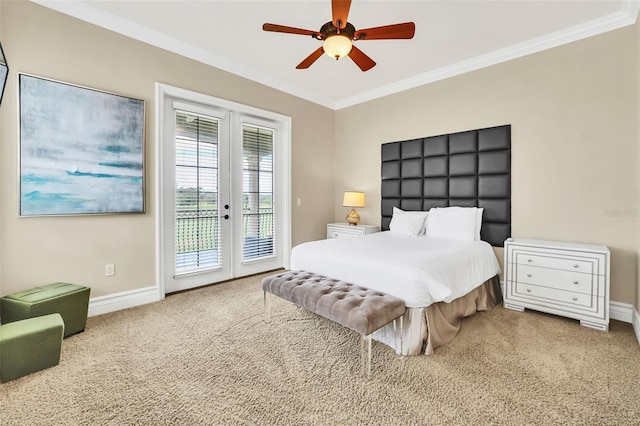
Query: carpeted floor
{"x": 206, "y": 357}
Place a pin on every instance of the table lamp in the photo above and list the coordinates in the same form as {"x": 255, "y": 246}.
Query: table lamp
{"x": 353, "y": 199}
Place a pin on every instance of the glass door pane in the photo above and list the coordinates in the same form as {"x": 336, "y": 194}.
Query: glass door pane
{"x": 197, "y": 228}
{"x": 258, "y": 230}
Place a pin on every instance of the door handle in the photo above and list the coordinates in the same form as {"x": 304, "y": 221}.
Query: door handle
{"x": 226, "y": 206}
{"x": 226, "y": 216}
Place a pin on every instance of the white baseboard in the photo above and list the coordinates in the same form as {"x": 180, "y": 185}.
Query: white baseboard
{"x": 636, "y": 324}
{"x": 621, "y": 311}
{"x": 127, "y": 299}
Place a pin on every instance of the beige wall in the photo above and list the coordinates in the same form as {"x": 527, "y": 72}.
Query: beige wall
{"x": 41, "y": 250}
{"x": 575, "y": 147}
{"x": 1, "y": 144}
{"x": 575, "y": 132}
{"x": 637, "y": 72}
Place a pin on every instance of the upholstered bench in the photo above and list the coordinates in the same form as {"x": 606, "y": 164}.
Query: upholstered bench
{"x": 69, "y": 300}
{"x": 357, "y": 308}
{"x": 30, "y": 345}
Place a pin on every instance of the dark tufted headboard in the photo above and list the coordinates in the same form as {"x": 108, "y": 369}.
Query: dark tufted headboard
{"x": 467, "y": 169}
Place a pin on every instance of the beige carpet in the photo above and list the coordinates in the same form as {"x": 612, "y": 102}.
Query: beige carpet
{"x": 206, "y": 357}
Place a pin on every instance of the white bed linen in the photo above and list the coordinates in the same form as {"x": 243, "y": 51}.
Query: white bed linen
{"x": 418, "y": 270}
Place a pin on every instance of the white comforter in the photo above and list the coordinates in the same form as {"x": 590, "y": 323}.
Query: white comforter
{"x": 418, "y": 270}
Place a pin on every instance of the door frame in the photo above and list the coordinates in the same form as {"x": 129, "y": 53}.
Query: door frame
{"x": 283, "y": 186}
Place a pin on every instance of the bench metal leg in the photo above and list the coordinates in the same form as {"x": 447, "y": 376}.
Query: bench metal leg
{"x": 369, "y": 357}
{"x": 366, "y": 361}
{"x": 267, "y": 307}
{"x": 362, "y": 358}
{"x": 395, "y": 333}
{"x": 401, "y": 331}
{"x": 395, "y": 338}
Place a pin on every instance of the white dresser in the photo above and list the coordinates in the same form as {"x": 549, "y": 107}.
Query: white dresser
{"x": 344, "y": 230}
{"x": 567, "y": 279}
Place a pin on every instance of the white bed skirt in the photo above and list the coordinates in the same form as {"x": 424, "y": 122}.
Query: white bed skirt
{"x": 427, "y": 328}
{"x": 414, "y": 333}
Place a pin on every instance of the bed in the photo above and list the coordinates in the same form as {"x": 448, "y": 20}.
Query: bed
{"x": 445, "y": 201}
{"x": 440, "y": 280}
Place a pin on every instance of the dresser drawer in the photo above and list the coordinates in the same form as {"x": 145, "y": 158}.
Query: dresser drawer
{"x": 561, "y": 302}
{"x": 556, "y": 262}
{"x": 553, "y": 294}
{"x": 559, "y": 279}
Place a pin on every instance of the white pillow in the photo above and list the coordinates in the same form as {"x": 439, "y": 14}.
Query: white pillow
{"x": 454, "y": 223}
{"x": 407, "y": 223}
{"x": 479, "y": 222}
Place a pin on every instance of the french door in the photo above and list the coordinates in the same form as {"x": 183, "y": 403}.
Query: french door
{"x": 224, "y": 174}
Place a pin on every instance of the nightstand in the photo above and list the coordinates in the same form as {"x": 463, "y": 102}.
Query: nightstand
{"x": 344, "y": 230}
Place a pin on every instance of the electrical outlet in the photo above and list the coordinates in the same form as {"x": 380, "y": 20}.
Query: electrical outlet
{"x": 109, "y": 270}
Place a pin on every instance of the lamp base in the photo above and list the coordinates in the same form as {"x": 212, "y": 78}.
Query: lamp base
{"x": 353, "y": 218}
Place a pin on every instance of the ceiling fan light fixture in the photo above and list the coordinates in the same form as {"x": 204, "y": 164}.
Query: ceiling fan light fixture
{"x": 338, "y": 34}
{"x": 337, "y": 46}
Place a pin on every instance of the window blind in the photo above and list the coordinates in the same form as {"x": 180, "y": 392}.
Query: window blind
{"x": 197, "y": 233}
{"x": 257, "y": 192}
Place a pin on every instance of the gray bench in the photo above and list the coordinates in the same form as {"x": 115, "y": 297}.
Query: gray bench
{"x": 357, "y": 308}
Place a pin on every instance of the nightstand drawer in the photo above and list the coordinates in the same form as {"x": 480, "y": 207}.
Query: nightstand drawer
{"x": 344, "y": 230}
{"x": 342, "y": 233}
{"x": 560, "y": 279}
{"x": 554, "y": 262}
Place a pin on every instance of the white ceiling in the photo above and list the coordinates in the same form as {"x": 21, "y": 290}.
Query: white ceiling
{"x": 452, "y": 37}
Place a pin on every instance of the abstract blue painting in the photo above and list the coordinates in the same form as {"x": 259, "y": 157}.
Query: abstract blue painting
{"x": 81, "y": 150}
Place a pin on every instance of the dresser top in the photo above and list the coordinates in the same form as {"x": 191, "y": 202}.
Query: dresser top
{"x": 557, "y": 244}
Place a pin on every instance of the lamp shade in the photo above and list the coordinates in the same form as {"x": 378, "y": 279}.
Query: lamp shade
{"x": 353, "y": 199}
{"x": 337, "y": 46}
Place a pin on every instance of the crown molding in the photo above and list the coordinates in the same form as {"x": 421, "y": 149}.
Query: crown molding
{"x": 626, "y": 15}
{"x": 87, "y": 13}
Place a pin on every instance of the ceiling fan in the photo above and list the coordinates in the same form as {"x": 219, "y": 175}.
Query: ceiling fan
{"x": 337, "y": 36}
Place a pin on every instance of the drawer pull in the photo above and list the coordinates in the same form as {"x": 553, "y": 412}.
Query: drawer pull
{"x": 575, "y": 282}
{"x": 576, "y": 265}
{"x": 529, "y": 260}
{"x": 575, "y": 299}
{"x": 529, "y": 275}
{"x": 528, "y": 290}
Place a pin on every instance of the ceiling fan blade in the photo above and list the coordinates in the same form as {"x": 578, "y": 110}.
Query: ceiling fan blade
{"x": 364, "y": 62}
{"x": 289, "y": 30}
{"x": 340, "y": 12}
{"x": 397, "y": 31}
{"x": 309, "y": 60}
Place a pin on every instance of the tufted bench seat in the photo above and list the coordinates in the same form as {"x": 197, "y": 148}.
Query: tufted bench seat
{"x": 358, "y": 308}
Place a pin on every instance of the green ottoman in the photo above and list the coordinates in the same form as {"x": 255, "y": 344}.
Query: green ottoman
{"x": 69, "y": 300}
{"x": 30, "y": 345}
